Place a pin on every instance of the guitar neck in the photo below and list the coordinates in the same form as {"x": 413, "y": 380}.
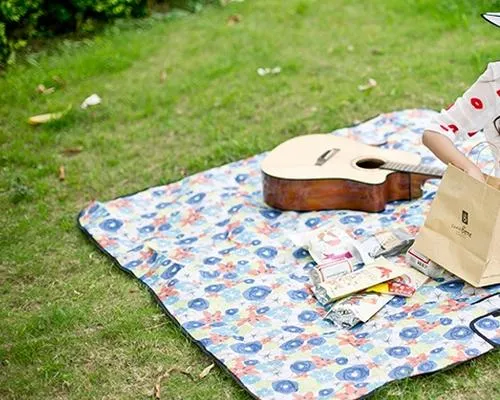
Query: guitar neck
{"x": 413, "y": 169}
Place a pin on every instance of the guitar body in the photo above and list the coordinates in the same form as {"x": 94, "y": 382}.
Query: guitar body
{"x": 354, "y": 176}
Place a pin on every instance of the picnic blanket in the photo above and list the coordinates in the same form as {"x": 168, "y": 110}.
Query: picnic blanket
{"x": 222, "y": 265}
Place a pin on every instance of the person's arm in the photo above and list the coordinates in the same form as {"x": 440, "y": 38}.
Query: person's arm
{"x": 445, "y": 150}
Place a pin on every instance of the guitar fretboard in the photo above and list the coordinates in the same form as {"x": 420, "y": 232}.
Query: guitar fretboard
{"x": 414, "y": 169}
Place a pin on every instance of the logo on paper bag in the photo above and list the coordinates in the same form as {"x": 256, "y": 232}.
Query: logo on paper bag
{"x": 465, "y": 217}
{"x": 462, "y": 230}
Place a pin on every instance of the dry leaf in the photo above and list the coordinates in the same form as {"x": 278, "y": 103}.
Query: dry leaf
{"x": 44, "y": 118}
{"x": 62, "y": 174}
{"x": 371, "y": 84}
{"x": 60, "y": 81}
{"x": 157, "y": 386}
{"x": 71, "y": 151}
{"x": 92, "y": 100}
{"x": 163, "y": 76}
{"x": 43, "y": 90}
{"x": 206, "y": 371}
{"x": 234, "y": 19}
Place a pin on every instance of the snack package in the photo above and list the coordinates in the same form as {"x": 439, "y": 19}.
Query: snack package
{"x": 330, "y": 244}
{"x": 372, "y": 274}
{"x": 405, "y": 285}
{"x": 423, "y": 264}
{"x": 325, "y": 272}
{"x": 348, "y": 312}
{"x": 388, "y": 243}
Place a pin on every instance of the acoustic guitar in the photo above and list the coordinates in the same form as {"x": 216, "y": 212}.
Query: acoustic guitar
{"x": 325, "y": 172}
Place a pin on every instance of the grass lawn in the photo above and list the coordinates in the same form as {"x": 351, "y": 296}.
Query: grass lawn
{"x": 72, "y": 325}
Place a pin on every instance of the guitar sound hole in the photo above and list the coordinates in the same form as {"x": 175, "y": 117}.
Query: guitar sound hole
{"x": 370, "y": 163}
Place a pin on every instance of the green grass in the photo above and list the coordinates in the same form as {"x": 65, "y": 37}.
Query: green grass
{"x": 75, "y": 327}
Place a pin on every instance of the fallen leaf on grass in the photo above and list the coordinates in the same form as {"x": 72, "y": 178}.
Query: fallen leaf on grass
{"x": 92, "y": 100}
{"x": 371, "y": 84}
{"x": 157, "y": 386}
{"x": 267, "y": 71}
{"x": 44, "y": 118}
{"x": 62, "y": 173}
{"x": 60, "y": 81}
{"x": 163, "y": 76}
{"x": 206, "y": 371}
{"x": 71, "y": 151}
{"x": 234, "y": 19}
{"x": 43, "y": 90}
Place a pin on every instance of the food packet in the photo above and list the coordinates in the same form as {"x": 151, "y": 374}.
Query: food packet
{"x": 330, "y": 244}
{"x": 348, "y": 312}
{"x": 388, "y": 243}
{"x": 405, "y": 285}
{"x": 423, "y": 264}
{"x": 381, "y": 270}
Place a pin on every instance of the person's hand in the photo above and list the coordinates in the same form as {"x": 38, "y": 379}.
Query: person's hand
{"x": 476, "y": 173}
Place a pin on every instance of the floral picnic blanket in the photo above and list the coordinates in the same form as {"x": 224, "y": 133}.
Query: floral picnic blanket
{"x": 222, "y": 265}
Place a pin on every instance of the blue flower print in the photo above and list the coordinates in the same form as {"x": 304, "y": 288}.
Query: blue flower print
{"x": 317, "y": 341}
{"x": 232, "y": 311}
{"x": 459, "y": 333}
{"x": 292, "y": 344}
{"x": 454, "y": 286}
{"x": 193, "y": 325}
{"x": 250, "y": 379}
{"x": 356, "y": 373}
{"x": 398, "y": 351}
{"x": 472, "y": 352}
{"x": 240, "y": 178}
{"x": 397, "y": 301}
{"x": 211, "y": 260}
{"x": 398, "y": 316}
{"x": 209, "y": 274}
{"x": 326, "y": 392}
{"x": 341, "y": 360}
{"x": 285, "y": 386}
{"x": 445, "y": 321}
{"x": 401, "y": 372}
{"x": 427, "y": 366}
{"x": 298, "y": 295}
{"x": 257, "y": 293}
{"x": 293, "y": 329}
{"x": 300, "y": 253}
{"x": 198, "y": 304}
{"x": 133, "y": 264}
{"x": 419, "y": 313}
{"x": 351, "y": 219}
{"x": 437, "y": 350}
{"x": 164, "y": 227}
{"x": 270, "y": 214}
{"x": 312, "y": 222}
{"x": 146, "y": 229}
{"x": 410, "y": 333}
{"x": 214, "y": 288}
{"x": 302, "y": 367}
{"x": 171, "y": 271}
{"x": 308, "y": 316}
{"x": 488, "y": 323}
{"x": 196, "y": 198}
{"x": 267, "y": 253}
{"x": 247, "y": 348}
{"x": 111, "y": 225}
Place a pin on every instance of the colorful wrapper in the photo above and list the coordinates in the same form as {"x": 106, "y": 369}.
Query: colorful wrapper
{"x": 347, "y": 313}
{"x": 405, "y": 285}
{"x": 423, "y": 264}
{"x": 343, "y": 285}
{"x": 388, "y": 243}
{"x": 325, "y": 272}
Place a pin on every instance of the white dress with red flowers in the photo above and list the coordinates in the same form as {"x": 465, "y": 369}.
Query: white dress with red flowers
{"x": 477, "y": 109}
